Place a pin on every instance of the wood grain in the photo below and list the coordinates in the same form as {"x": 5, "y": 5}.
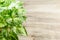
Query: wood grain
{"x": 43, "y": 20}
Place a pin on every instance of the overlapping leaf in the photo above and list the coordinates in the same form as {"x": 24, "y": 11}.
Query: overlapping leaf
{"x": 11, "y": 19}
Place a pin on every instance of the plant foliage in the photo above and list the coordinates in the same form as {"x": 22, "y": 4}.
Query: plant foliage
{"x": 11, "y": 19}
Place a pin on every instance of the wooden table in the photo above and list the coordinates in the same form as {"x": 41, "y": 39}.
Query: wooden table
{"x": 43, "y": 20}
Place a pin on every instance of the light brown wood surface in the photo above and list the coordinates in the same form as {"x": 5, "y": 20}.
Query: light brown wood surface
{"x": 43, "y": 19}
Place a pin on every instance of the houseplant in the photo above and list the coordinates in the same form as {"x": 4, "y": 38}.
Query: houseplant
{"x": 11, "y": 19}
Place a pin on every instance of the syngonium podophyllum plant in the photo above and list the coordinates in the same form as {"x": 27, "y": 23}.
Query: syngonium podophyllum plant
{"x": 11, "y": 19}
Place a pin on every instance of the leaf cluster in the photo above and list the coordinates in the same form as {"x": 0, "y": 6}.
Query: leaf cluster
{"x": 12, "y": 16}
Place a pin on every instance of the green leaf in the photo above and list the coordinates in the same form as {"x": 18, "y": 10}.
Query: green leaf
{"x": 2, "y": 25}
{"x": 23, "y": 30}
{"x": 20, "y": 30}
{"x": 13, "y": 36}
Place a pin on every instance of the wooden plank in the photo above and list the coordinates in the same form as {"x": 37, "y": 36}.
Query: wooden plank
{"x": 43, "y": 20}
{"x": 34, "y": 2}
